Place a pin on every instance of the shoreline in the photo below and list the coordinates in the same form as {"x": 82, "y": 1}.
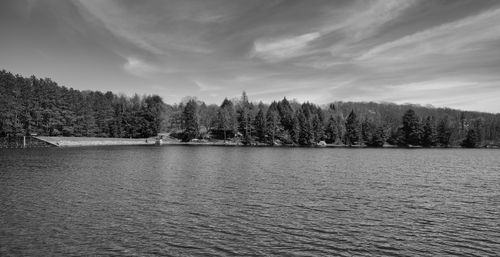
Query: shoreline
{"x": 94, "y": 141}
{"x": 104, "y": 141}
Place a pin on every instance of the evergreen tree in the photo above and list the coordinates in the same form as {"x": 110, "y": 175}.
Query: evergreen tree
{"x": 378, "y": 138}
{"x": 478, "y": 126}
{"x": 367, "y": 131}
{"x": 411, "y": 128}
{"x": 429, "y": 134}
{"x": 286, "y": 113}
{"x": 273, "y": 122}
{"x": 306, "y": 136}
{"x": 245, "y": 119}
{"x": 331, "y": 131}
{"x": 190, "y": 120}
{"x": 372, "y": 135}
{"x": 471, "y": 139}
{"x": 318, "y": 129}
{"x": 444, "y": 132}
{"x": 260, "y": 126}
{"x": 295, "y": 132}
{"x": 352, "y": 129}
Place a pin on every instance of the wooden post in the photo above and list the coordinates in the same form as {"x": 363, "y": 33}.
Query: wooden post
{"x": 24, "y": 141}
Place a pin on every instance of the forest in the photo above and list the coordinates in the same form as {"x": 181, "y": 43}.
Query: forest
{"x": 40, "y": 106}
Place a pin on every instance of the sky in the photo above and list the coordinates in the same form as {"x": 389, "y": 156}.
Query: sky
{"x": 440, "y": 53}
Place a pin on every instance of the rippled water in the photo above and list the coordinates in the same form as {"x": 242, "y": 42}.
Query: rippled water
{"x": 226, "y": 201}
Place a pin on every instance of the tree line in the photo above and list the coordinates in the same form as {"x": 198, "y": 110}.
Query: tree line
{"x": 32, "y": 105}
{"x": 344, "y": 123}
{"x": 40, "y": 106}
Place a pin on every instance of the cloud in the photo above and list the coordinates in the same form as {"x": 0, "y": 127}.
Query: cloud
{"x": 277, "y": 49}
{"x": 206, "y": 87}
{"x": 138, "y": 28}
{"x": 448, "y": 38}
{"x": 383, "y": 50}
{"x": 365, "y": 23}
{"x": 349, "y": 28}
{"x": 140, "y": 68}
{"x": 118, "y": 22}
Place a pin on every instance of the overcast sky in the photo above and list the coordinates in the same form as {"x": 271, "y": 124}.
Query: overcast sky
{"x": 444, "y": 53}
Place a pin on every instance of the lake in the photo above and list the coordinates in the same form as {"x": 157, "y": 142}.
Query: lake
{"x": 227, "y": 201}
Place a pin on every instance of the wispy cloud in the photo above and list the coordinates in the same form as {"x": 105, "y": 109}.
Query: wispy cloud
{"x": 204, "y": 87}
{"x": 444, "y": 39}
{"x": 117, "y": 21}
{"x": 140, "y": 68}
{"x": 135, "y": 28}
{"x": 365, "y": 20}
{"x": 276, "y": 49}
{"x": 362, "y": 22}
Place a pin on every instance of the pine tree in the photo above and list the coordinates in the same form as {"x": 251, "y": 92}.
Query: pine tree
{"x": 191, "y": 121}
{"x": 286, "y": 115}
{"x": 352, "y": 129}
{"x": 306, "y": 136}
{"x": 245, "y": 119}
{"x": 331, "y": 131}
{"x": 372, "y": 135}
{"x": 444, "y": 132}
{"x": 471, "y": 139}
{"x": 367, "y": 131}
{"x": 411, "y": 128}
{"x": 260, "y": 126}
{"x": 429, "y": 134}
{"x": 273, "y": 122}
{"x": 478, "y": 126}
{"x": 378, "y": 137}
{"x": 318, "y": 130}
{"x": 295, "y": 132}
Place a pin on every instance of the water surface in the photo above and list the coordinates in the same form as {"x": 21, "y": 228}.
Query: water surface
{"x": 226, "y": 201}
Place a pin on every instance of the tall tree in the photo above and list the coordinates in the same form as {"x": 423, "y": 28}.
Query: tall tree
{"x": 226, "y": 118}
{"x": 429, "y": 134}
{"x": 411, "y": 128}
{"x": 286, "y": 113}
{"x": 260, "y": 126}
{"x": 372, "y": 135}
{"x": 245, "y": 119}
{"x": 352, "y": 129}
{"x": 331, "y": 130}
{"x": 152, "y": 115}
{"x": 471, "y": 139}
{"x": 318, "y": 128}
{"x": 306, "y": 136}
{"x": 378, "y": 138}
{"x": 367, "y": 131}
{"x": 273, "y": 122}
{"x": 444, "y": 132}
{"x": 191, "y": 121}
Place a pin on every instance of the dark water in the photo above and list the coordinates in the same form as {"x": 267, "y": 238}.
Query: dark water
{"x": 227, "y": 201}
